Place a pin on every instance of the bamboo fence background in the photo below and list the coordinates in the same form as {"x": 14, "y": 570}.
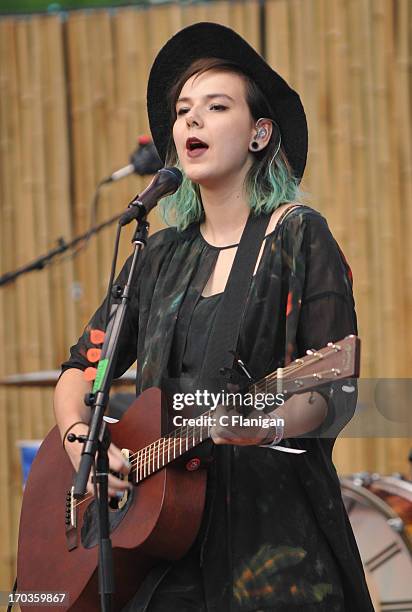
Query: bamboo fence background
{"x": 72, "y": 100}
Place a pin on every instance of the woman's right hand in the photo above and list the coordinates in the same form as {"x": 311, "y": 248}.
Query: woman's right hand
{"x": 117, "y": 463}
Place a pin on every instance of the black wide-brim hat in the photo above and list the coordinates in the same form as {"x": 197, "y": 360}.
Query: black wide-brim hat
{"x": 214, "y": 40}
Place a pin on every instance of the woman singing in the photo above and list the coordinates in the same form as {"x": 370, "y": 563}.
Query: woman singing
{"x": 275, "y": 534}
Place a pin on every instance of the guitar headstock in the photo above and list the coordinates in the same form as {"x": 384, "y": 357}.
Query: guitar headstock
{"x": 335, "y": 361}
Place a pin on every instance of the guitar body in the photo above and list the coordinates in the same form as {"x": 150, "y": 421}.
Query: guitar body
{"x": 160, "y": 519}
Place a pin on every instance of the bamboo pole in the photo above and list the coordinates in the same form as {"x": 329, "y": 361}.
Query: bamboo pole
{"x": 403, "y": 127}
{"x": 361, "y": 253}
{"x": 375, "y": 324}
{"x": 389, "y": 210}
{"x": 63, "y": 311}
{"x": 220, "y": 12}
{"x": 245, "y": 20}
{"x": 26, "y": 288}
{"x": 322, "y": 179}
{"x": 100, "y": 67}
{"x": 43, "y": 357}
{"x": 130, "y": 35}
{"x": 278, "y": 39}
{"x": 351, "y": 452}
{"x": 379, "y": 165}
{"x": 81, "y": 114}
{"x": 311, "y": 100}
{"x": 8, "y": 127}
{"x": 339, "y": 107}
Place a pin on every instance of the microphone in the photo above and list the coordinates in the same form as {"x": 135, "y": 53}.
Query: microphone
{"x": 165, "y": 182}
{"x": 144, "y": 160}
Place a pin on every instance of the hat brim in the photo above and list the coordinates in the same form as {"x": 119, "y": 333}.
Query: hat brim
{"x": 214, "y": 40}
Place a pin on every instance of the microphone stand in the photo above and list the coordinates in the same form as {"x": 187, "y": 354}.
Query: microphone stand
{"x": 42, "y": 261}
{"x": 98, "y": 439}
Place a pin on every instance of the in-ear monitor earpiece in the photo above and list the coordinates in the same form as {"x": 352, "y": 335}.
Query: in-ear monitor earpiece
{"x": 261, "y": 133}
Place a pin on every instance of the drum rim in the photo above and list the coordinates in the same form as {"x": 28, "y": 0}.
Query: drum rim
{"x": 360, "y": 493}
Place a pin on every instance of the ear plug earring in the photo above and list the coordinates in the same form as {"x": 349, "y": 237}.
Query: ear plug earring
{"x": 261, "y": 133}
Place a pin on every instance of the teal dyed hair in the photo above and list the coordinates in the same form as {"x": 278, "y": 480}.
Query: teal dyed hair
{"x": 268, "y": 183}
{"x": 185, "y": 206}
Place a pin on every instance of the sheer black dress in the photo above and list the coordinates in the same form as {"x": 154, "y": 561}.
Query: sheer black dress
{"x": 275, "y": 534}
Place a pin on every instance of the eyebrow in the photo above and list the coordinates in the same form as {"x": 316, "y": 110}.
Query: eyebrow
{"x": 207, "y": 97}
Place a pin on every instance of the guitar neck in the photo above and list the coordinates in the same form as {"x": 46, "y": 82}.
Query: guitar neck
{"x": 338, "y": 360}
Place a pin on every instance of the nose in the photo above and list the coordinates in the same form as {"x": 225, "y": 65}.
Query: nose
{"x": 193, "y": 119}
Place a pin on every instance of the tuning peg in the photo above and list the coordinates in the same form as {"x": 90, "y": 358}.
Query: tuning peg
{"x": 337, "y": 347}
{"x": 315, "y": 353}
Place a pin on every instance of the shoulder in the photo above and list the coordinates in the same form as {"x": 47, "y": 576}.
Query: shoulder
{"x": 307, "y": 223}
{"x": 295, "y": 220}
{"x": 302, "y": 213}
{"x": 305, "y": 233}
{"x": 319, "y": 247}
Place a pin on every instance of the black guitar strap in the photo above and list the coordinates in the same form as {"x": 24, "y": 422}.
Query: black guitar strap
{"x": 226, "y": 327}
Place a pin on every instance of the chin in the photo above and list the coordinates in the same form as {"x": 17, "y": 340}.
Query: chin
{"x": 198, "y": 177}
{"x": 203, "y": 177}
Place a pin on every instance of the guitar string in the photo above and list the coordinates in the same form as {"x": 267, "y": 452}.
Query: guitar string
{"x": 160, "y": 445}
{"x": 143, "y": 462}
{"x": 293, "y": 367}
{"x": 259, "y": 385}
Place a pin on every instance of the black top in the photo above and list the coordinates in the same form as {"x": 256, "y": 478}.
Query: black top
{"x": 294, "y": 565}
{"x": 198, "y": 336}
{"x": 272, "y": 518}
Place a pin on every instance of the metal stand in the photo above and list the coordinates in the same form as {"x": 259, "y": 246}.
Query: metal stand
{"x": 98, "y": 438}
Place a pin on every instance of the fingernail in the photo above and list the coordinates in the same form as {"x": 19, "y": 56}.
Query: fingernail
{"x": 119, "y": 494}
{"x": 127, "y": 463}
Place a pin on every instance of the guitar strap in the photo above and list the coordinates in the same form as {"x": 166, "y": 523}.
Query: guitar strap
{"x": 227, "y": 323}
{"x": 224, "y": 338}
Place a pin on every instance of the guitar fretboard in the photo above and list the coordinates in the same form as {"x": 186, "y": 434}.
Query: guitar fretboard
{"x": 166, "y": 449}
{"x": 303, "y": 374}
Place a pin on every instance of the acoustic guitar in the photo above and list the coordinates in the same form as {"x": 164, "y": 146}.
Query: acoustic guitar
{"x": 160, "y": 518}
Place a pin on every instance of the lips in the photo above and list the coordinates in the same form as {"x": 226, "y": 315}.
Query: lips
{"x": 193, "y": 144}
{"x": 195, "y": 147}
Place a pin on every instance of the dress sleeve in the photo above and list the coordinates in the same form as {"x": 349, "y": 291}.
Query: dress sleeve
{"x": 327, "y": 315}
{"x": 128, "y": 339}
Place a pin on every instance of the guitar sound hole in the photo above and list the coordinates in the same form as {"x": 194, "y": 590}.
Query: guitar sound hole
{"x": 89, "y": 531}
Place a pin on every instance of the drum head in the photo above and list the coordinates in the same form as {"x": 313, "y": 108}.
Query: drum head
{"x": 379, "y": 510}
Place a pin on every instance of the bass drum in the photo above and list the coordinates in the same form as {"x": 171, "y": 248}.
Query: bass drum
{"x": 380, "y": 511}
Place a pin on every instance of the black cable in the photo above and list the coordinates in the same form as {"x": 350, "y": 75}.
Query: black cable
{"x": 9, "y": 607}
{"x": 93, "y": 216}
